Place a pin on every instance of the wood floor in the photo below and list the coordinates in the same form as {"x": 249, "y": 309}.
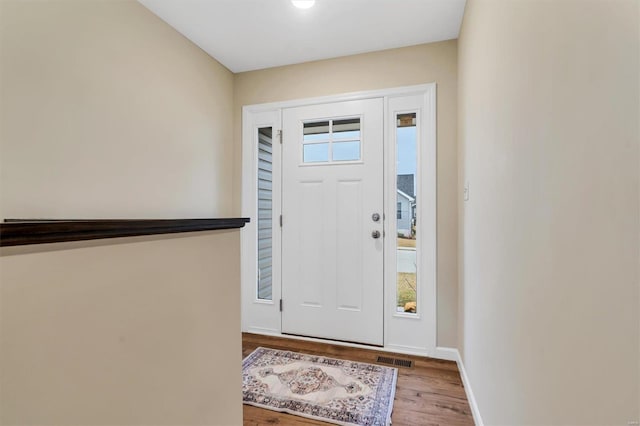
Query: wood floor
{"x": 430, "y": 393}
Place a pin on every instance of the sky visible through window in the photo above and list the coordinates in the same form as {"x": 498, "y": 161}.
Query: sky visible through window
{"x": 406, "y": 161}
{"x": 345, "y": 147}
{"x": 406, "y": 149}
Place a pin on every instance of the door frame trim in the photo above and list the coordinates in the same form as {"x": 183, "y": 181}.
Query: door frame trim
{"x": 350, "y": 96}
{"x": 258, "y": 316}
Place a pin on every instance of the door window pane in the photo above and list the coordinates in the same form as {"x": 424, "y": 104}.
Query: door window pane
{"x": 346, "y": 151}
{"x": 317, "y": 152}
{"x": 317, "y": 131}
{"x": 346, "y": 129}
{"x": 406, "y": 198}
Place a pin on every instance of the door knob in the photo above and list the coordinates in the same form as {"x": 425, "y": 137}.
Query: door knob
{"x": 375, "y": 217}
{"x": 375, "y": 234}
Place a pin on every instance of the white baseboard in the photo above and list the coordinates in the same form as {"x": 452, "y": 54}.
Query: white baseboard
{"x": 264, "y": 331}
{"x": 405, "y": 349}
{"x": 467, "y": 387}
{"x": 449, "y": 354}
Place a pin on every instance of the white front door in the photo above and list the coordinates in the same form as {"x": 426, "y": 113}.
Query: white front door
{"x": 332, "y": 243}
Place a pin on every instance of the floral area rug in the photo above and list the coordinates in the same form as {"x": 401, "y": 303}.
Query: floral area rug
{"x": 327, "y": 389}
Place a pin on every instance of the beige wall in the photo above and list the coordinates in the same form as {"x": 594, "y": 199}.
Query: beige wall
{"x": 549, "y": 138}
{"x": 131, "y": 331}
{"x": 107, "y": 112}
{"x": 107, "y": 91}
{"x": 436, "y": 62}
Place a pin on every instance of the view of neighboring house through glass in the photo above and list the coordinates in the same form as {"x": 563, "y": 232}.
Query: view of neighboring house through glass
{"x": 406, "y": 164}
{"x": 265, "y": 213}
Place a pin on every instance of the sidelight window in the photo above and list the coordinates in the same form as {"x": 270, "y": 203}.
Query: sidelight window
{"x": 265, "y": 213}
{"x": 406, "y": 195}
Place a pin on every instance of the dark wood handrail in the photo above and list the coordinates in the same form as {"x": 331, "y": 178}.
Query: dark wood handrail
{"x": 18, "y": 232}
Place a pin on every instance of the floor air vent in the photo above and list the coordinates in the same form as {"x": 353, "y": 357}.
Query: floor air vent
{"x": 395, "y": 361}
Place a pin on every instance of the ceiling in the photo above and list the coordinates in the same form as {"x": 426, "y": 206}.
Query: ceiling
{"x": 247, "y": 35}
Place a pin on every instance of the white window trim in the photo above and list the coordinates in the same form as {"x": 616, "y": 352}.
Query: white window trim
{"x": 254, "y": 310}
{"x": 409, "y": 331}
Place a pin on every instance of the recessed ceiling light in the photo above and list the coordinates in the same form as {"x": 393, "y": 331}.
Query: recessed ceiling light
{"x": 303, "y": 4}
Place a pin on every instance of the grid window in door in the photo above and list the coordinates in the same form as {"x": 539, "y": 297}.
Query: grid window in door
{"x": 329, "y": 141}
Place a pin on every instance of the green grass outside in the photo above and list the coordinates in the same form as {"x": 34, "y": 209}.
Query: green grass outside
{"x": 406, "y": 288}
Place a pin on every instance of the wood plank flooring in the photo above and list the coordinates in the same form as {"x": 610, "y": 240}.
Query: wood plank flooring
{"x": 428, "y": 394}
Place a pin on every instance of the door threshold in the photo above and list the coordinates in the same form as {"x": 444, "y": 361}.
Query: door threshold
{"x": 423, "y": 352}
{"x": 328, "y": 340}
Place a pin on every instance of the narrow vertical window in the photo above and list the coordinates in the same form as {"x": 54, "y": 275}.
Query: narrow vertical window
{"x": 265, "y": 213}
{"x": 406, "y": 165}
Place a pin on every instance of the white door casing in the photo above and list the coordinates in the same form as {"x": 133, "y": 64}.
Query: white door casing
{"x": 332, "y": 266}
{"x": 410, "y": 334}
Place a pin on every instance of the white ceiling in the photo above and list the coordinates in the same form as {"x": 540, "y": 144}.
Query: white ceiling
{"x": 253, "y": 34}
